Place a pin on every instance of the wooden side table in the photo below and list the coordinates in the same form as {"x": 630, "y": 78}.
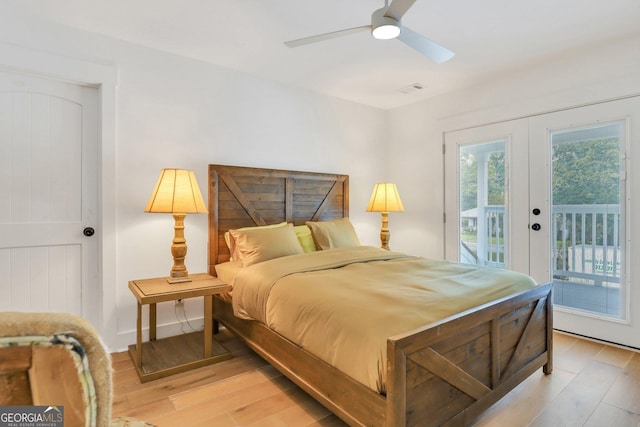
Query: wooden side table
{"x": 181, "y": 353}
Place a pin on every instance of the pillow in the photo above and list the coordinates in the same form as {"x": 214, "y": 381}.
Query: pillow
{"x": 231, "y": 244}
{"x": 261, "y": 244}
{"x": 305, "y": 238}
{"x": 338, "y": 233}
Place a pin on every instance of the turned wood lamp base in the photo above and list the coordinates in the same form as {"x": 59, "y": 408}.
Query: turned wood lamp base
{"x": 385, "y": 235}
{"x": 179, "y": 273}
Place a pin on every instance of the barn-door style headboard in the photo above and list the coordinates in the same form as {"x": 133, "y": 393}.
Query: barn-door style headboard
{"x": 245, "y": 197}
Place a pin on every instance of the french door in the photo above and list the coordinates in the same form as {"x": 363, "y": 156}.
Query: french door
{"x": 486, "y": 196}
{"x": 560, "y": 213}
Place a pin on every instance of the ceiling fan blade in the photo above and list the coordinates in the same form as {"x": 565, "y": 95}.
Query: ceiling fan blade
{"x": 428, "y": 48}
{"x": 326, "y": 36}
{"x": 398, "y": 8}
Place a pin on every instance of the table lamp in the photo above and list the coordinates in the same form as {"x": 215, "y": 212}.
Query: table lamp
{"x": 385, "y": 199}
{"x": 177, "y": 193}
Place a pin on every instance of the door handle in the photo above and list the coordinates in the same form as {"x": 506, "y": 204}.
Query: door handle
{"x": 535, "y": 227}
{"x": 88, "y": 231}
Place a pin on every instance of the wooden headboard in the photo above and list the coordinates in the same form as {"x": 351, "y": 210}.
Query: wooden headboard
{"x": 245, "y": 197}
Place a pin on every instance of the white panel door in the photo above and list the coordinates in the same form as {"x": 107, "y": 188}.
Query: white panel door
{"x": 48, "y": 196}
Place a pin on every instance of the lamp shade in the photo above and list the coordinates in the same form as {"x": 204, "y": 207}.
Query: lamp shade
{"x": 176, "y": 191}
{"x": 385, "y": 198}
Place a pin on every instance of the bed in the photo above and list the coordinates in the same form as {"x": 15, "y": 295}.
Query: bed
{"x": 444, "y": 372}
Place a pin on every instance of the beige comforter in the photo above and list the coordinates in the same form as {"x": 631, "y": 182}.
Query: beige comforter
{"x": 342, "y": 304}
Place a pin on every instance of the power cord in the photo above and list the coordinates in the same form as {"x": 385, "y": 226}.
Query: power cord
{"x": 180, "y": 303}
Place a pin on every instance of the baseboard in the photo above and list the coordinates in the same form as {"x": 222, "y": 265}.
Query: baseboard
{"x": 125, "y": 338}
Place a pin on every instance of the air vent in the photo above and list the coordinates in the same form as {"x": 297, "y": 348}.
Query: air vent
{"x": 412, "y": 88}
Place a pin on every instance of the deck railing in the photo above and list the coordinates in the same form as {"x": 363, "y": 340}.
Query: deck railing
{"x": 587, "y": 242}
{"x": 587, "y": 256}
{"x": 489, "y": 248}
{"x": 495, "y": 235}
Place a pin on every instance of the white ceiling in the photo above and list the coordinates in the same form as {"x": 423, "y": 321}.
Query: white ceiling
{"x": 489, "y": 37}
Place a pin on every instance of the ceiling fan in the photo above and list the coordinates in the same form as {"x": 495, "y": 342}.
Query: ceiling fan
{"x": 386, "y": 24}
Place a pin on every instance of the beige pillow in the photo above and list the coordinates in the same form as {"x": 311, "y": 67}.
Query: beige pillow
{"x": 305, "y": 238}
{"x": 338, "y": 233}
{"x": 261, "y": 244}
{"x": 231, "y": 244}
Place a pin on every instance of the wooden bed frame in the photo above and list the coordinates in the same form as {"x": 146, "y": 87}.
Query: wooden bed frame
{"x": 445, "y": 373}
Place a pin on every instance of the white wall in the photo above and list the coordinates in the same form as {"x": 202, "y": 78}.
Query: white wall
{"x": 416, "y": 163}
{"x": 171, "y": 111}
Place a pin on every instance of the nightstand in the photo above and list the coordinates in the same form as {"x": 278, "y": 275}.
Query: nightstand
{"x": 168, "y": 356}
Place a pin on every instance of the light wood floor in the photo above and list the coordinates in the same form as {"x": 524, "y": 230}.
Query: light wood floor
{"x": 592, "y": 385}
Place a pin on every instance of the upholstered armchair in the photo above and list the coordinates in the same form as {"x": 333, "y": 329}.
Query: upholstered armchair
{"x": 56, "y": 360}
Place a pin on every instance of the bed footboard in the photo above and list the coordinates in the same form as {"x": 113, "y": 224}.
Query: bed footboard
{"x": 443, "y": 374}
{"x": 449, "y": 372}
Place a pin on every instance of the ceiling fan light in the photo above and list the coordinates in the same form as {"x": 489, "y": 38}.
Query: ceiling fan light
{"x": 384, "y": 27}
{"x": 386, "y": 31}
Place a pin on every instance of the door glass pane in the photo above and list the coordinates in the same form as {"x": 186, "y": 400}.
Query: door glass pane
{"x": 587, "y": 219}
{"x": 482, "y": 204}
